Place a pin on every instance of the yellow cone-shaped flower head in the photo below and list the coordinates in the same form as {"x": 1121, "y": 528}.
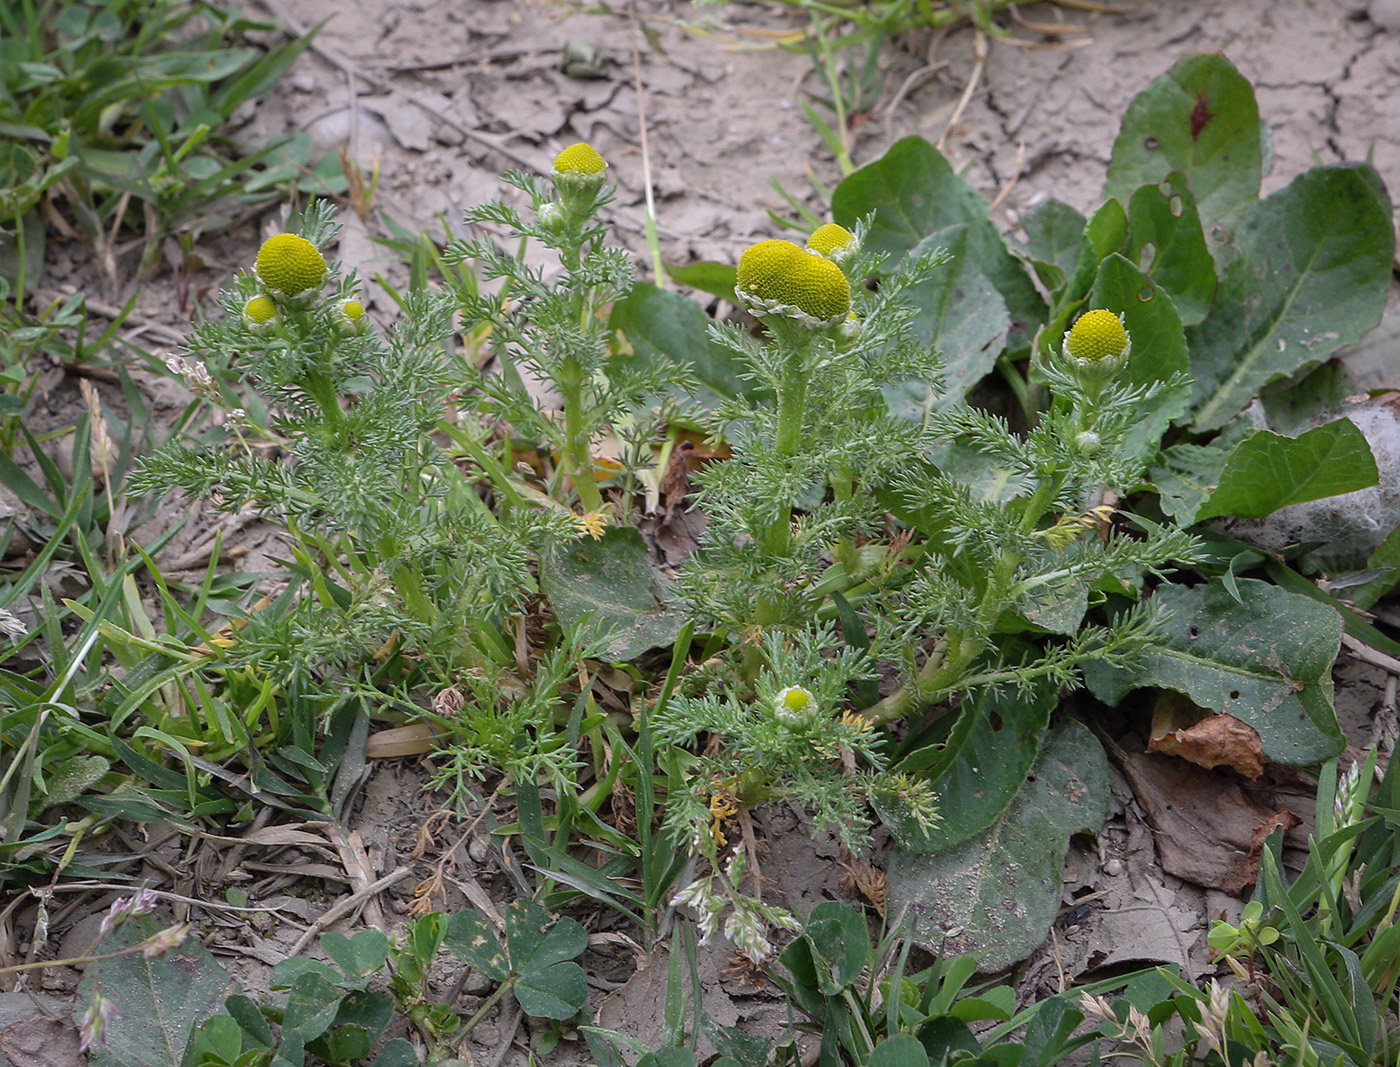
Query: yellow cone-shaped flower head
{"x": 260, "y": 311}
{"x": 290, "y": 265}
{"x": 578, "y": 176}
{"x": 580, "y": 158}
{"x": 832, "y": 241}
{"x": 779, "y": 274}
{"x": 1096, "y": 349}
{"x": 1098, "y": 335}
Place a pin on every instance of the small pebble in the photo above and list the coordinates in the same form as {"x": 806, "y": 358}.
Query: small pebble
{"x": 304, "y": 83}
{"x": 1386, "y": 14}
{"x": 1113, "y": 868}
{"x": 478, "y": 850}
{"x": 478, "y": 984}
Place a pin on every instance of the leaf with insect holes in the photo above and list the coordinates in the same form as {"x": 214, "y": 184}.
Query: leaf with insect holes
{"x": 1265, "y": 658}
{"x": 1167, "y": 243}
{"x": 1200, "y": 118}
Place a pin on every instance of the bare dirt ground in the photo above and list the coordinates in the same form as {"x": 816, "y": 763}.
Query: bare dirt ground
{"x": 442, "y": 97}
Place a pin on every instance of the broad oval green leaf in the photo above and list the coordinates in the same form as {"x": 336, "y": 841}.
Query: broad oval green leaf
{"x": 160, "y": 1000}
{"x": 982, "y": 774}
{"x": 1199, "y": 118}
{"x": 963, "y": 314}
{"x": 1265, "y": 658}
{"x": 1159, "y": 345}
{"x": 899, "y": 1050}
{"x": 839, "y": 941}
{"x": 661, "y": 324}
{"x": 717, "y": 279}
{"x": 1167, "y": 243}
{"x": 611, "y": 583}
{"x": 556, "y": 992}
{"x": 1054, "y": 234}
{"x": 1269, "y": 471}
{"x": 996, "y": 895}
{"x": 469, "y": 938}
{"x": 914, "y": 192}
{"x": 1312, "y": 275}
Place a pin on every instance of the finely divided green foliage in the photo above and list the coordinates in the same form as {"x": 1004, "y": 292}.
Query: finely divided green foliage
{"x": 555, "y": 332}
{"x": 982, "y": 562}
{"x": 366, "y": 478}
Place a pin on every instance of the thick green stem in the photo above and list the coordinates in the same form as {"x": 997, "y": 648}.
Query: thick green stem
{"x": 955, "y": 653}
{"x": 776, "y": 540}
{"x": 792, "y": 404}
{"x": 578, "y": 458}
{"x": 322, "y": 390}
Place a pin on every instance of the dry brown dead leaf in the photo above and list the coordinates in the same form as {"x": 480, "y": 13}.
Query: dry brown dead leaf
{"x": 1215, "y": 741}
{"x": 412, "y": 740}
{"x": 1206, "y": 829}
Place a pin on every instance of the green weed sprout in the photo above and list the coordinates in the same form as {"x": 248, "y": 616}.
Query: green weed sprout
{"x": 1246, "y": 939}
{"x": 555, "y": 331}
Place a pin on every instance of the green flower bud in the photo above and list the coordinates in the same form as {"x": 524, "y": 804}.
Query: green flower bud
{"x": 550, "y": 216}
{"x": 260, "y": 312}
{"x": 832, "y": 241}
{"x": 350, "y": 317}
{"x": 778, "y": 277}
{"x": 793, "y": 704}
{"x": 289, "y": 265}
